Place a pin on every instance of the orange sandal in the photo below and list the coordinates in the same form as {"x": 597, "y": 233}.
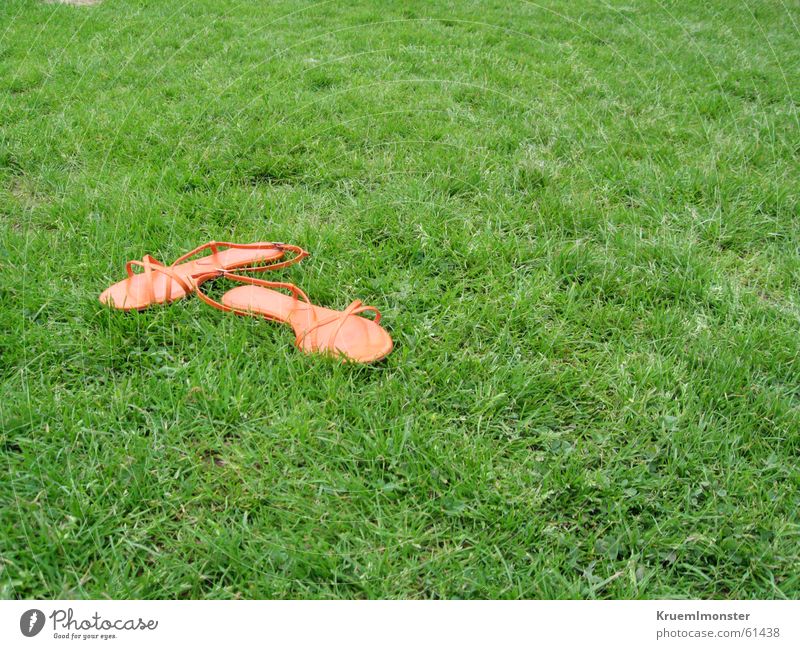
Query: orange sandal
{"x": 338, "y": 333}
{"x": 159, "y": 283}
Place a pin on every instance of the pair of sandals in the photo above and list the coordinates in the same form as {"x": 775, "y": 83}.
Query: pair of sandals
{"x": 344, "y": 334}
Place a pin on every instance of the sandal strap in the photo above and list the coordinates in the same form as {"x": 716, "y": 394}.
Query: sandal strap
{"x": 296, "y": 291}
{"x": 355, "y": 307}
{"x": 214, "y": 246}
{"x": 150, "y": 264}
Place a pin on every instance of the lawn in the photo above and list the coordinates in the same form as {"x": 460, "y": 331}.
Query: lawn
{"x": 581, "y": 221}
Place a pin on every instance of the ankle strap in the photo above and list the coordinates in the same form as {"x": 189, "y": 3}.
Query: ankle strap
{"x": 214, "y": 246}
{"x": 296, "y": 291}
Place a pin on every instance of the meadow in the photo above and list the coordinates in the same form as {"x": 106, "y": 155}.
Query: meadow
{"x": 580, "y": 220}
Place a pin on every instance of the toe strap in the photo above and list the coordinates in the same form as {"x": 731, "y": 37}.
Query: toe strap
{"x": 355, "y": 307}
{"x": 150, "y": 265}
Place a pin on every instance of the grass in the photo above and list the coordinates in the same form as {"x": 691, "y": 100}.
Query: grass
{"x": 580, "y": 221}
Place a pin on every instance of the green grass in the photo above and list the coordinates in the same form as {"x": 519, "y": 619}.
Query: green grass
{"x": 580, "y": 220}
